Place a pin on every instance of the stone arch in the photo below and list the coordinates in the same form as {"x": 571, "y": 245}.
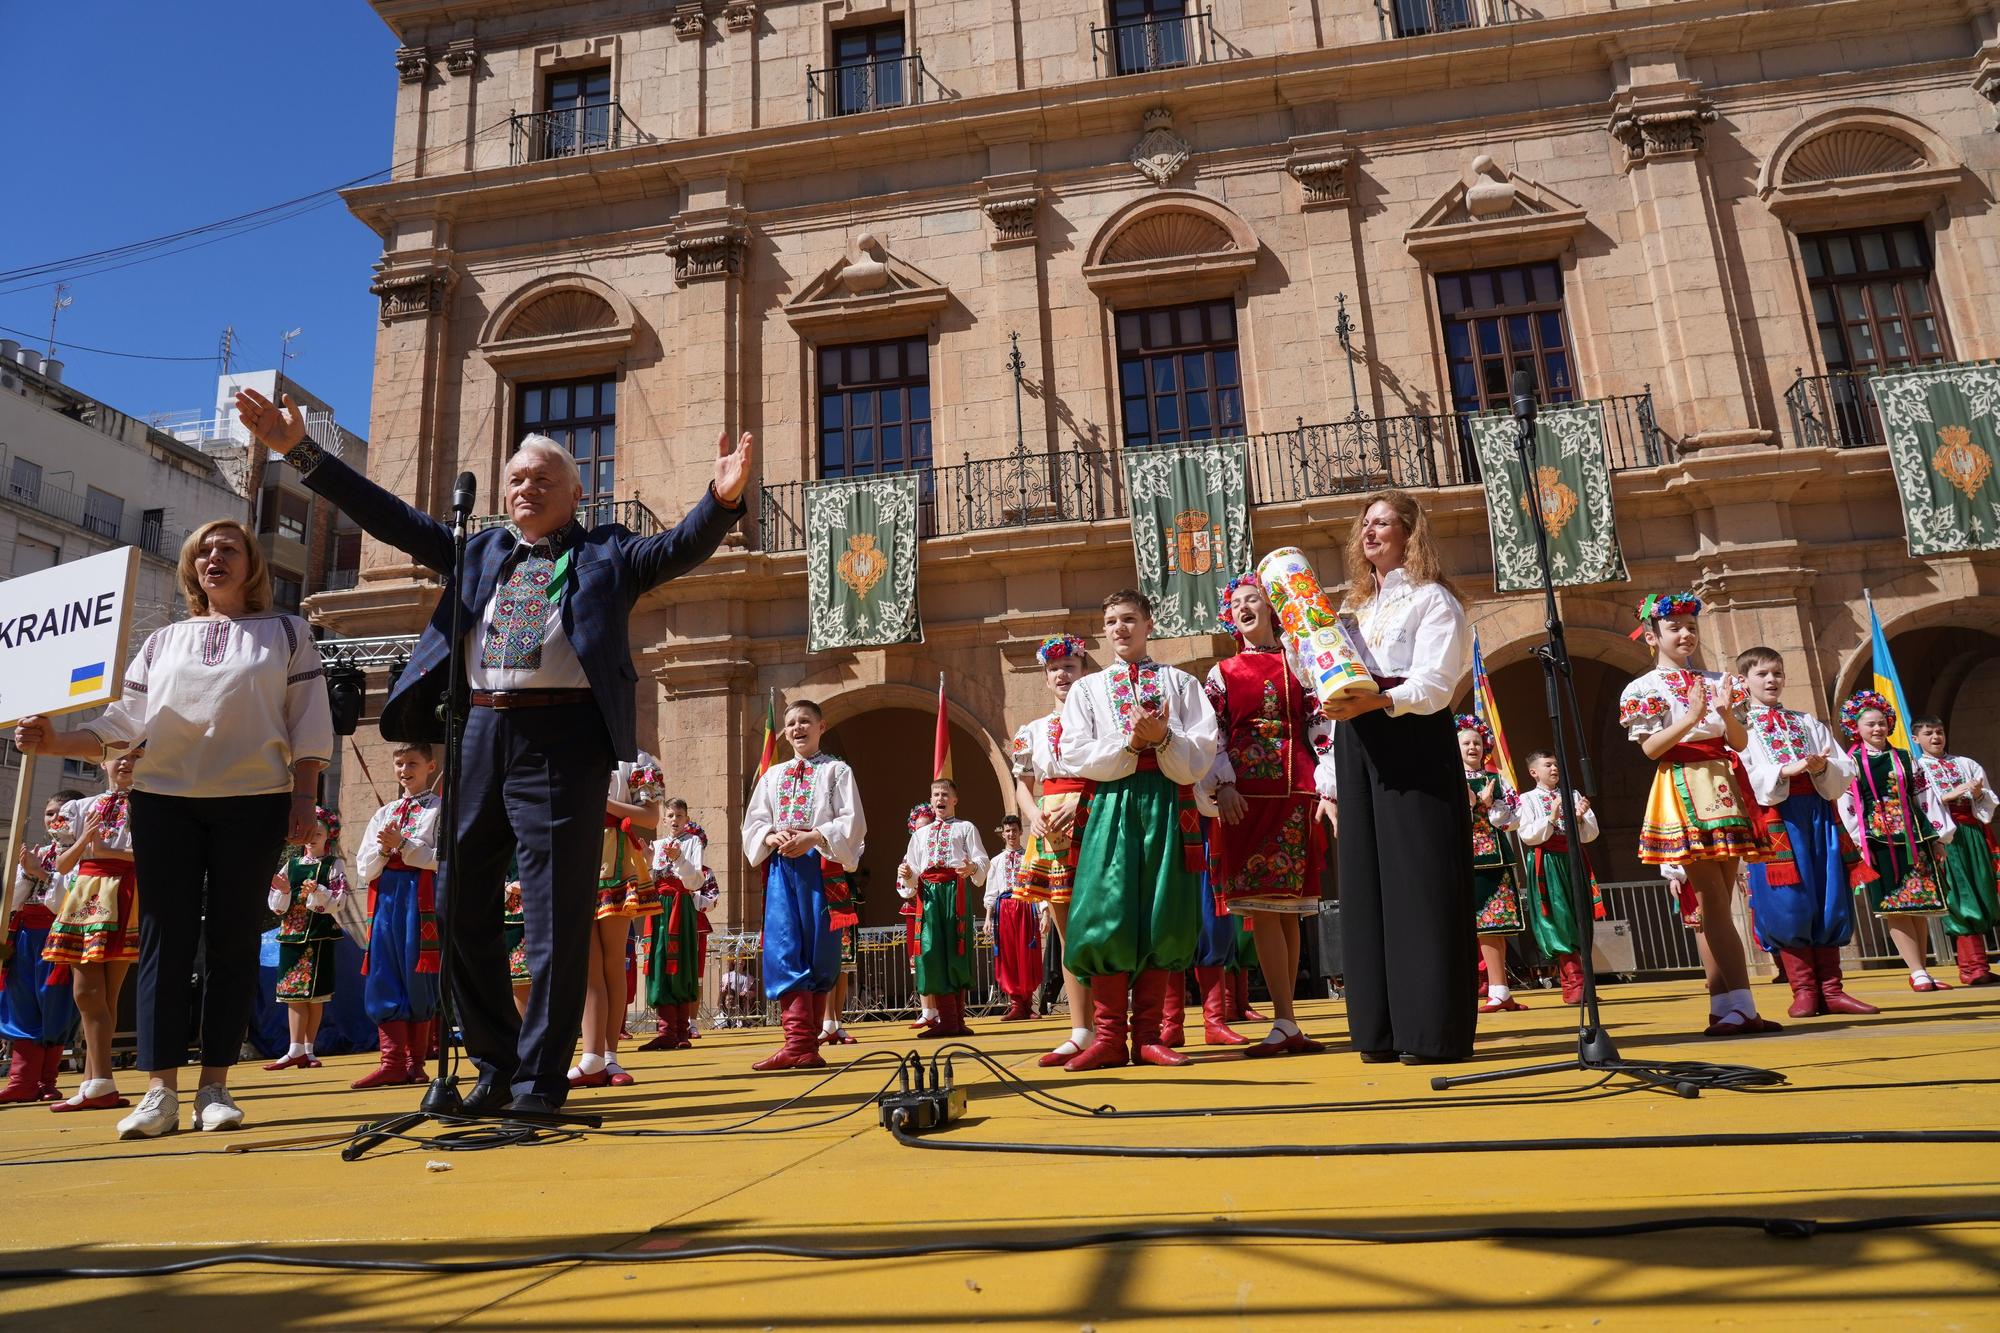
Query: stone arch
{"x": 557, "y": 322}
{"x": 1858, "y": 166}
{"x": 1181, "y": 241}
{"x": 1948, "y": 656}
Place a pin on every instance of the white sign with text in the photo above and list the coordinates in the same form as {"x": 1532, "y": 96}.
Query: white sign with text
{"x": 62, "y": 635}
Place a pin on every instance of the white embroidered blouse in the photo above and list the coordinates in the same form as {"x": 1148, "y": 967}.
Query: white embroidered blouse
{"x": 816, "y": 793}
{"x": 1097, "y": 723}
{"x": 1540, "y": 812}
{"x": 1417, "y": 631}
{"x": 1780, "y": 736}
{"x": 1656, "y": 699}
{"x": 416, "y": 818}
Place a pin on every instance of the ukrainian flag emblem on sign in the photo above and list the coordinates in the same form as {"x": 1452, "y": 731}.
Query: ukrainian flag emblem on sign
{"x": 86, "y": 678}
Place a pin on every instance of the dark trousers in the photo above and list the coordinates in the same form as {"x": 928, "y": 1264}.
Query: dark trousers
{"x": 531, "y": 785}
{"x": 205, "y": 866}
{"x": 1405, "y": 885}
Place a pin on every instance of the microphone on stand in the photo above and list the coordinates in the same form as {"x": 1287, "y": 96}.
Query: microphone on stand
{"x": 1524, "y": 396}
{"x": 462, "y": 493}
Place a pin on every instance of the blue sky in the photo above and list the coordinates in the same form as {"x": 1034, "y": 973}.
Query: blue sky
{"x": 128, "y": 120}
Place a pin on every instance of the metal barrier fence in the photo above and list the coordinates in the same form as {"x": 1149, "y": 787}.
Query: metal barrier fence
{"x": 883, "y": 986}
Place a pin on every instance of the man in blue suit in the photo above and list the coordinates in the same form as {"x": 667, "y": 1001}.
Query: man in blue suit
{"x": 549, "y": 669}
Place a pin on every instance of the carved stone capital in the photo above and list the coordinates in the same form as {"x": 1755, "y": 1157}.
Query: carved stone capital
{"x": 708, "y": 249}
{"x": 412, "y": 293}
{"x": 740, "y": 15}
{"x": 461, "y": 58}
{"x": 1322, "y": 169}
{"x": 688, "y": 22}
{"x": 1654, "y": 129}
{"x": 413, "y": 64}
{"x": 1011, "y": 205}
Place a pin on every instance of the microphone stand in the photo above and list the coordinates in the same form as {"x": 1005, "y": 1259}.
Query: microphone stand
{"x": 442, "y": 1102}
{"x": 1595, "y": 1051}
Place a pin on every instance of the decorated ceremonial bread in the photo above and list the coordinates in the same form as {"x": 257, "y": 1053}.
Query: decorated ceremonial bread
{"x": 1326, "y": 646}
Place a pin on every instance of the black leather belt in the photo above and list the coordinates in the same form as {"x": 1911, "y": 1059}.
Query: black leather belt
{"x": 505, "y": 699}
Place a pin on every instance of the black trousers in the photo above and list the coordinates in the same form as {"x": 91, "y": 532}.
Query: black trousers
{"x": 1406, "y": 885}
{"x": 205, "y": 866}
{"x": 531, "y": 784}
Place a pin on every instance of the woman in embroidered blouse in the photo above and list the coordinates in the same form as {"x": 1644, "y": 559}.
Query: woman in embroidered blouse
{"x": 1405, "y": 832}
{"x": 233, "y": 707}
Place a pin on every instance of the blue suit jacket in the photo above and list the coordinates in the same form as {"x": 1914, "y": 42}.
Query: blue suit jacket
{"x": 611, "y": 569}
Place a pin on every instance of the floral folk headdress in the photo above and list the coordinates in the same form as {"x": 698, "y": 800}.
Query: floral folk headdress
{"x": 1229, "y": 591}
{"x": 1057, "y": 647}
{"x": 1861, "y": 702}
{"x": 920, "y": 815}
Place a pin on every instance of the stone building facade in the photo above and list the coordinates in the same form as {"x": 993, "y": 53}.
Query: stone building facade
{"x": 1331, "y": 227}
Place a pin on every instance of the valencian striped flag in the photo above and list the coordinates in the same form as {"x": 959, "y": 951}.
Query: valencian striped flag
{"x": 769, "y": 755}
{"x": 941, "y": 746}
{"x": 1887, "y": 683}
{"x": 1487, "y": 710}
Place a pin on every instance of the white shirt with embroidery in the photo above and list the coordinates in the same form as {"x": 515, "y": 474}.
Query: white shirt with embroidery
{"x": 560, "y": 668}
{"x": 416, "y": 818}
{"x": 113, "y": 811}
{"x": 1505, "y": 812}
{"x": 954, "y": 844}
{"x": 1098, "y": 717}
{"x": 1540, "y": 810}
{"x": 1417, "y": 631}
{"x": 817, "y": 793}
{"x": 679, "y": 858}
{"x": 1949, "y": 772}
{"x": 1001, "y": 876}
{"x": 1781, "y": 736}
{"x": 1922, "y": 791}
{"x": 1662, "y": 696}
{"x": 1037, "y": 750}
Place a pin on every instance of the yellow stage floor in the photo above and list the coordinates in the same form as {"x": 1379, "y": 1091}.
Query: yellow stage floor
{"x": 75, "y": 1197}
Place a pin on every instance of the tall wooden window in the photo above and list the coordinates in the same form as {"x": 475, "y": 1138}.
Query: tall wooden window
{"x": 581, "y": 415}
{"x": 1500, "y": 320}
{"x": 1874, "y": 299}
{"x": 868, "y": 69}
{"x": 875, "y": 408}
{"x": 579, "y": 112}
{"x": 1179, "y": 376}
{"x": 1149, "y": 34}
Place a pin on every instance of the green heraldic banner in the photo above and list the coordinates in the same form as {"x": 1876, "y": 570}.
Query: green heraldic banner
{"x": 1190, "y": 530}
{"x": 1943, "y": 428}
{"x": 1573, "y": 478}
{"x": 861, "y": 562}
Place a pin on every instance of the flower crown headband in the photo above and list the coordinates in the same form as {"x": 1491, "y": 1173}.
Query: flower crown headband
{"x": 1665, "y": 606}
{"x": 1229, "y": 591}
{"x": 1471, "y": 722}
{"x": 329, "y": 819}
{"x": 920, "y": 814}
{"x": 1058, "y": 647}
{"x": 1861, "y": 702}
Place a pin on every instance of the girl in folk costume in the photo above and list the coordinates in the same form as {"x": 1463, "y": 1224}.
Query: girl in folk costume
{"x": 303, "y": 894}
{"x": 1017, "y": 944}
{"x": 912, "y": 911}
{"x": 1897, "y": 821}
{"x": 1701, "y": 818}
{"x": 803, "y": 815}
{"x": 36, "y": 1015}
{"x": 944, "y": 861}
{"x": 1802, "y": 895}
{"x": 95, "y": 938}
{"x": 1141, "y": 735}
{"x": 1550, "y": 909}
{"x": 397, "y": 860}
{"x": 514, "y": 934}
{"x": 625, "y": 893}
{"x": 1495, "y": 890}
{"x": 844, "y": 902}
{"x": 1972, "y": 906}
{"x": 1271, "y": 781}
{"x": 672, "y": 941}
{"x": 1047, "y": 793}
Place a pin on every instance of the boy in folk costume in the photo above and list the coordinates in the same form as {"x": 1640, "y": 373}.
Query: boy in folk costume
{"x": 1047, "y": 793}
{"x": 1900, "y": 826}
{"x": 1802, "y": 896}
{"x": 303, "y": 894}
{"x": 95, "y": 937}
{"x": 1496, "y": 893}
{"x": 945, "y": 860}
{"x": 35, "y": 1015}
{"x": 1269, "y": 784}
{"x": 625, "y": 893}
{"x": 672, "y": 939}
{"x": 397, "y": 860}
{"x": 1972, "y": 906}
{"x": 911, "y": 910}
{"x": 1550, "y": 909}
{"x": 843, "y": 903}
{"x": 802, "y": 815}
{"x": 1017, "y": 945}
{"x": 1141, "y": 735}
{"x": 1701, "y": 818}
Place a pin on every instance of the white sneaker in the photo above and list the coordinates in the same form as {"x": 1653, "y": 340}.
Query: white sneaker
{"x": 158, "y": 1112}
{"x": 214, "y": 1108}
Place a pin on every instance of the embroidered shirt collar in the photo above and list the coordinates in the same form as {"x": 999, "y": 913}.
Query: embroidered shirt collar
{"x": 551, "y": 546}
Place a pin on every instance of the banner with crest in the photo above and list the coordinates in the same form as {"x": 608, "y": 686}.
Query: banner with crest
{"x": 1190, "y": 530}
{"x": 861, "y": 562}
{"x": 1573, "y": 480}
{"x": 1942, "y": 425}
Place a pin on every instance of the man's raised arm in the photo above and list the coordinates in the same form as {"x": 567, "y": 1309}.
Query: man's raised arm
{"x": 381, "y": 515}
{"x": 694, "y": 539}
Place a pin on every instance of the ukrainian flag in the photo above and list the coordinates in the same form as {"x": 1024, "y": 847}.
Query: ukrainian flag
{"x": 85, "y": 679}
{"x": 1887, "y": 683}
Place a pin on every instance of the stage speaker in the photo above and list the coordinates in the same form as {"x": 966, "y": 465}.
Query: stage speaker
{"x": 1327, "y": 957}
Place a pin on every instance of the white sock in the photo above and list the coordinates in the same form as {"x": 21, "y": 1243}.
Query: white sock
{"x": 306, "y": 1050}
{"x": 95, "y": 1087}
{"x": 830, "y": 1025}
{"x": 929, "y": 1015}
{"x": 1500, "y": 993}
{"x": 1081, "y": 1036}
{"x": 591, "y": 1063}
{"x": 1920, "y": 974}
{"x": 1738, "y": 1002}
{"x": 296, "y": 1050}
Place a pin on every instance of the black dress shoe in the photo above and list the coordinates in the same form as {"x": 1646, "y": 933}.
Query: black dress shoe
{"x": 1412, "y": 1058}
{"x": 488, "y": 1097}
{"x": 532, "y": 1103}
{"x": 1376, "y": 1057}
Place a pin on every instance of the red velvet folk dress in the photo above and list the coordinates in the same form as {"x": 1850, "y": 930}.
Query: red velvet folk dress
{"x": 1272, "y": 742}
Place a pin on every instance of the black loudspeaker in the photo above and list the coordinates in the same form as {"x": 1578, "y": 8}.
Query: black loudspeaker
{"x": 1327, "y": 958}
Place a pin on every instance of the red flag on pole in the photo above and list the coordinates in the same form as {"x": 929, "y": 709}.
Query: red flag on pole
{"x": 769, "y": 753}
{"x": 941, "y": 748}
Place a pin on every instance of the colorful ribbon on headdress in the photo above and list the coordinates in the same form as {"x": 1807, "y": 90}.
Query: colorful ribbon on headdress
{"x": 1659, "y": 606}
{"x": 1057, "y": 647}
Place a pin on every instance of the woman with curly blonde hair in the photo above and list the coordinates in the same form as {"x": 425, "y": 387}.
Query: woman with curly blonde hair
{"x": 1405, "y": 832}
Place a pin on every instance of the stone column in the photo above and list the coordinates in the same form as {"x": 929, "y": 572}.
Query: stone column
{"x": 408, "y": 453}
{"x": 1324, "y": 167}
{"x": 708, "y": 245}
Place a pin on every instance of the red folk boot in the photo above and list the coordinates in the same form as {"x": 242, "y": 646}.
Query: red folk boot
{"x": 1149, "y": 997}
{"x": 1215, "y": 1029}
{"x": 1804, "y": 978}
{"x": 420, "y": 1049}
{"x": 1017, "y": 1009}
{"x": 684, "y": 1033}
{"x": 801, "y": 1048}
{"x": 1570, "y": 972}
{"x": 395, "y": 1062}
{"x": 1973, "y": 969}
{"x": 1109, "y": 997}
{"x": 1173, "y": 1012}
{"x": 1826, "y": 965}
{"x": 664, "y": 1039}
{"x": 24, "y": 1074}
{"x": 1241, "y": 1012}
{"x": 52, "y": 1053}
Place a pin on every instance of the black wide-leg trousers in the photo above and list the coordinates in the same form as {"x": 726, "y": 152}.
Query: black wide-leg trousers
{"x": 1406, "y": 910}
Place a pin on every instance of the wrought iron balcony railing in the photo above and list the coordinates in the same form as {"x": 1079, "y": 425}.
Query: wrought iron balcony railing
{"x": 1419, "y": 18}
{"x": 1419, "y": 452}
{"x": 1138, "y": 47}
{"x": 1835, "y": 411}
{"x": 593, "y": 514}
{"x": 869, "y": 85}
{"x": 571, "y": 131}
